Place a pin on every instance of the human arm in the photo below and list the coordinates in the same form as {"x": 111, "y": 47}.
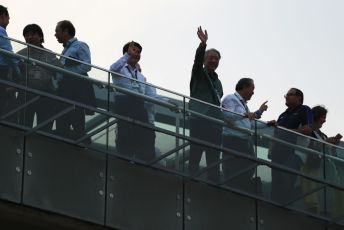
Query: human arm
{"x": 306, "y": 121}
{"x": 258, "y": 113}
{"x": 80, "y": 52}
{"x": 6, "y": 45}
{"x": 120, "y": 63}
{"x": 261, "y": 110}
{"x": 200, "y": 52}
{"x": 203, "y": 37}
{"x": 305, "y": 130}
{"x": 151, "y": 92}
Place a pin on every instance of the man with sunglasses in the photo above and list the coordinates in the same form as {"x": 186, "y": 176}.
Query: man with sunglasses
{"x": 298, "y": 118}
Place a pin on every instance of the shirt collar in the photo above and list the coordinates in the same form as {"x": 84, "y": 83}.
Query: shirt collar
{"x": 212, "y": 74}
{"x": 239, "y": 97}
{"x": 69, "y": 42}
{"x": 130, "y": 67}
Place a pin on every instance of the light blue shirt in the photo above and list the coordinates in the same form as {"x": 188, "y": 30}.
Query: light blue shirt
{"x": 6, "y": 45}
{"x": 121, "y": 67}
{"x": 235, "y": 103}
{"x": 77, "y": 50}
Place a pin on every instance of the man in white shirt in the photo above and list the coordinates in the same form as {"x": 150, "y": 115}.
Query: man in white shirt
{"x": 238, "y": 171}
{"x": 132, "y": 140}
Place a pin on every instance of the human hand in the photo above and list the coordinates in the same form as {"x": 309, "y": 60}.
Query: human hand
{"x": 271, "y": 123}
{"x": 203, "y": 36}
{"x": 251, "y": 116}
{"x": 263, "y": 107}
{"x": 335, "y": 140}
{"x": 175, "y": 107}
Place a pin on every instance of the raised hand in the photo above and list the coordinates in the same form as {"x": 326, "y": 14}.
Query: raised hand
{"x": 263, "y": 107}
{"x": 203, "y": 36}
{"x": 333, "y": 140}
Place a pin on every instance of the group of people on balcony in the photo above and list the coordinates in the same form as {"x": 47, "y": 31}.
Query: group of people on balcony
{"x": 205, "y": 86}
{"x": 70, "y": 124}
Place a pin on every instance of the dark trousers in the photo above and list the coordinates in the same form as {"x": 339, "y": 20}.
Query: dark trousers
{"x": 43, "y": 108}
{"x": 72, "y": 124}
{"x": 79, "y": 90}
{"x": 134, "y": 140}
{"x": 283, "y": 184}
{"x": 205, "y": 130}
{"x": 234, "y": 167}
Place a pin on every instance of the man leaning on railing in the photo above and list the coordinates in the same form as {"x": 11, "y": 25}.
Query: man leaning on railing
{"x": 71, "y": 87}
{"x": 234, "y": 139}
{"x": 299, "y": 118}
{"x": 37, "y": 77}
{"x": 318, "y": 166}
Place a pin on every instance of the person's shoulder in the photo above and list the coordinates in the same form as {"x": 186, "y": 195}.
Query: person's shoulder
{"x": 229, "y": 97}
{"x": 50, "y": 55}
{"x": 305, "y": 108}
{"x": 81, "y": 42}
{"x": 283, "y": 114}
{"x": 76, "y": 41}
{"x": 3, "y": 31}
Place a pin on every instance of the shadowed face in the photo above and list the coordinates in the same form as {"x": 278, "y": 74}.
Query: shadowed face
{"x": 248, "y": 91}
{"x": 292, "y": 99}
{"x": 4, "y": 20}
{"x": 319, "y": 122}
{"x": 61, "y": 35}
{"x": 135, "y": 55}
{"x": 211, "y": 60}
{"x": 33, "y": 38}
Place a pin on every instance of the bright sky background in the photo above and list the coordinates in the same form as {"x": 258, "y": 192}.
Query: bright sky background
{"x": 279, "y": 43}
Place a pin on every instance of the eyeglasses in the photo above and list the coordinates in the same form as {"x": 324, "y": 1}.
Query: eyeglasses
{"x": 290, "y": 94}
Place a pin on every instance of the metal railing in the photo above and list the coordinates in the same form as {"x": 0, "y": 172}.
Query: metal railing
{"x": 182, "y": 110}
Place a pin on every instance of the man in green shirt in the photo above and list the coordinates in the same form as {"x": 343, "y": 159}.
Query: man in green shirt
{"x": 205, "y": 86}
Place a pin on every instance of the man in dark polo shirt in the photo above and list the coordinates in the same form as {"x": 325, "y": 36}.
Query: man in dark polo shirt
{"x": 206, "y": 86}
{"x": 299, "y": 118}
